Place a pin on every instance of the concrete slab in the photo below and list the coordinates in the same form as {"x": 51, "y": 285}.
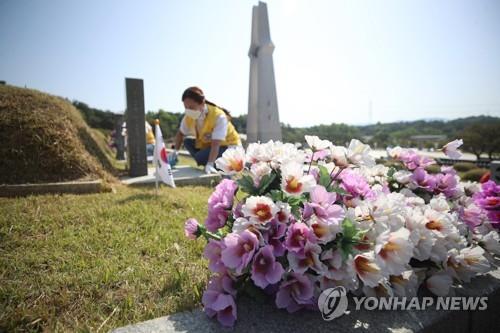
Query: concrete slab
{"x": 184, "y": 175}
{"x": 72, "y": 187}
{"x": 256, "y": 316}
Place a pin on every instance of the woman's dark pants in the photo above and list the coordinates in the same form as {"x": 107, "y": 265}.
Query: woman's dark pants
{"x": 200, "y": 155}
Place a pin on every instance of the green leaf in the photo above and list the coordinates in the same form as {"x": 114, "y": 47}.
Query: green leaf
{"x": 350, "y": 237}
{"x": 391, "y": 172}
{"x": 338, "y": 190}
{"x": 348, "y": 229}
{"x": 246, "y": 185}
{"x": 277, "y": 195}
{"x": 324, "y": 176}
{"x": 265, "y": 182}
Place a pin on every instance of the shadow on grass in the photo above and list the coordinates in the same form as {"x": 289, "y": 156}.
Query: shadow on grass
{"x": 139, "y": 196}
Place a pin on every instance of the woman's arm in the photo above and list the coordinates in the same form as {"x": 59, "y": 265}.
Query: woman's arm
{"x": 179, "y": 137}
{"x": 214, "y": 151}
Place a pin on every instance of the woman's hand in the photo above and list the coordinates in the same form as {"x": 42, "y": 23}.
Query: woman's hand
{"x": 214, "y": 151}
{"x": 210, "y": 169}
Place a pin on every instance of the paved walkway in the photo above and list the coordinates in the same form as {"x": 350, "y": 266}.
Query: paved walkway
{"x": 183, "y": 175}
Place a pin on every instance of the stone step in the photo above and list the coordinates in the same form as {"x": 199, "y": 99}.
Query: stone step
{"x": 259, "y": 317}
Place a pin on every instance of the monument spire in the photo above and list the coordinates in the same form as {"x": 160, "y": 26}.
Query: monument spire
{"x": 263, "y": 122}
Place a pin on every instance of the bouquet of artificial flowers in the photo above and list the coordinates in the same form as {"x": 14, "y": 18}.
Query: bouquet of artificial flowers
{"x": 292, "y": 223}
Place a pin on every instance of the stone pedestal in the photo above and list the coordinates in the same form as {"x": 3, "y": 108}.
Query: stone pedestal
{"x": 136, "y": 132}
{"x": 254, "y": 316}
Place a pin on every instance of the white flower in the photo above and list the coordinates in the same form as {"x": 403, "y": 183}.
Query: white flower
{"x": 324, "y": 232}
{"x": 440, "y": 204}
{"x": 241, "y": 224}
{"x": 491, "y": 242}
{"x": 316, "y": 143}
{"x": 450, "y": 149}
{"x": 284, "y": 153}
{"x": 402, "y": 176}
{"x": 439, "y": 284}
{"x": 359, "y": 153}
{"x": 334, "y": 264}
{"x": 375, "y": 174}
{"x": 439, "y": 223}
{"x": 367, "y": 269}
{"x": 405, "y": 284}
{"x": 293, "y": 180}
{"x": 383, "y": 289}
{"x": 422, "y": 238}
{"x": 259, "y": 170}
{"x": 338, "y": 155}
{"x": 471, "y": 261}
{"x": 395, "y": 152}
{"x": 395, "y": 250}
{"x": 260, "y": 152}
{"x": 259, "y": 209}
{"x": 232, "y": 160}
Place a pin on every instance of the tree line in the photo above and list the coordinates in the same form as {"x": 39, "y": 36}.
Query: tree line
{"x": 481, "y": 134}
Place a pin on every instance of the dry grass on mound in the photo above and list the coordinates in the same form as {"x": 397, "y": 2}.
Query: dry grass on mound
{"x": 43, "y": 138}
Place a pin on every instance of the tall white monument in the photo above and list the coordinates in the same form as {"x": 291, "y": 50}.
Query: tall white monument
{"x": 263, "y": 123}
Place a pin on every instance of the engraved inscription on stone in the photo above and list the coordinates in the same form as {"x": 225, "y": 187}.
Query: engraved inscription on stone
{"x": 136, "y": 132}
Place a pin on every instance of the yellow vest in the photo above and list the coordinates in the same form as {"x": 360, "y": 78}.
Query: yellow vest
{"x": 204, "y": 136}
{"x": 150, "y": 137}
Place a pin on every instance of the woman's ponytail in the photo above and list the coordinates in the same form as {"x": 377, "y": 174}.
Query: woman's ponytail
{"x": 196, "y": 94}
{"x": 228, "y": 114}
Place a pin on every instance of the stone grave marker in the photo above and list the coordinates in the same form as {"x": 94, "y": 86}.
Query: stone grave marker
{"x": 136, "y": 132}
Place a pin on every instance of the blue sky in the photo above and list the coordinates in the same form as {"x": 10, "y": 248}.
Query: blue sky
{"x": 409, "y": 59}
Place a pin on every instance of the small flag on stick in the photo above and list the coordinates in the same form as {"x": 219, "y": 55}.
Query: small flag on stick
{"x": 163, "y": 169}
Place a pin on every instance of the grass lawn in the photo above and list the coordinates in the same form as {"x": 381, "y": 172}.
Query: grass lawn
{"x": 96, "y": 262}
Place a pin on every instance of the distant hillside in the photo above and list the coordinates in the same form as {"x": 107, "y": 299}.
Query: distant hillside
{"x": 479, "y": 132}
{"x": 43, "y": 138}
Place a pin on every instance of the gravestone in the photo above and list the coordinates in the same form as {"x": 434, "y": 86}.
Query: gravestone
{"x": 119, "y": 139}
{"x": 263, "y": 123}
{"x": 136, "y": 132}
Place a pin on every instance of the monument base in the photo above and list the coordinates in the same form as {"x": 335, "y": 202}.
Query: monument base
{"x": 184, "y": 175}
{"x": 254, "y": 316}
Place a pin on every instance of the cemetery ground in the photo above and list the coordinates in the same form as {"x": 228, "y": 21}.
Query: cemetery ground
{"x": 100, "y": 261}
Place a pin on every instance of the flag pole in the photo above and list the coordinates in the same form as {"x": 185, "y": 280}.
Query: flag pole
{"x": 155, "y": 159}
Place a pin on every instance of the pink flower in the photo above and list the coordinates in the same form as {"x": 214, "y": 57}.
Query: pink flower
{"x": 212, "y": 252}
{"x": 471, "y": 215}
{"x": 297, "y": 236}
{"x": 274, "y": 236}
{"x": 294, "y": 293}
{"x": 412, "y": 160}
{"x": 355, "y": 184}
{"x": 450, "y": 149}
{"x": 422, "y": 179}
{"x": 191, "y": 228}
{"x": 309, "y": 259}
{"x": 239, "y": 250}
{"x": 218, "y": 300}
{"x": 322, "y": 205}
{"x": 220, "y": 204}
{"x": 489, "y": 200}
{"x": 446, "y": 183}
{"x": 265, "y": 269}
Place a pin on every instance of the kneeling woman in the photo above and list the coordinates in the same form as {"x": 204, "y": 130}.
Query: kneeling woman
{"x": 206, "y": 129}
